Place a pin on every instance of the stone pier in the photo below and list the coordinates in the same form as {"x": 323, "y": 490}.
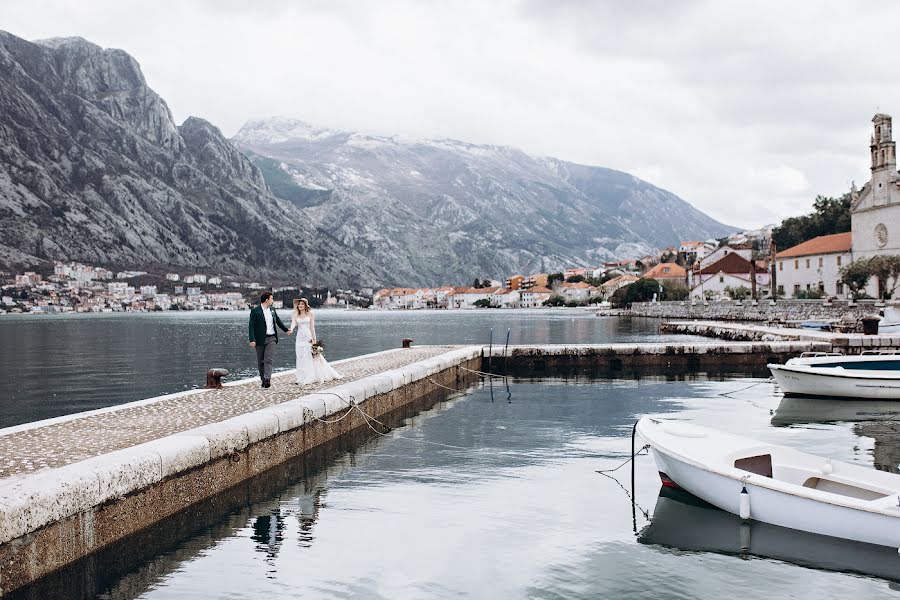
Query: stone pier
{"x": 83, "y": 484}
{"x": 846, "y": 343}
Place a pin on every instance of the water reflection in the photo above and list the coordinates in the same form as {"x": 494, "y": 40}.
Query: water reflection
{"x": 685, "y": 522}
{"x": 488, "y": 492}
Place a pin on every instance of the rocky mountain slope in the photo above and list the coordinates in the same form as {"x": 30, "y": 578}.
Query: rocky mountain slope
{"x": 93, "y": 168}
{"x": 444, "y": 210}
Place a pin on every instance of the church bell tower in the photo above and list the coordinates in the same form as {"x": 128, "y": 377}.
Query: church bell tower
{"x": 884, "y": 158}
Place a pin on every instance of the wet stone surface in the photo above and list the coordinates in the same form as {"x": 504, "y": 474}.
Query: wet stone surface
{"x": 59, "y": 444}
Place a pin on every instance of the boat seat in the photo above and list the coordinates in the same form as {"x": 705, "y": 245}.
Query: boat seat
{"x": 759, "y": 465}
{"x": 842, "y": 489}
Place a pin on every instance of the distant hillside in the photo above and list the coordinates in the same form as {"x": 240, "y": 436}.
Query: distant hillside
{"x": 445, "y": 210}
{"x": 93, "y": 168}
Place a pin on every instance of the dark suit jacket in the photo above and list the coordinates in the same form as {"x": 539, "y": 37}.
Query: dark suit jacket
{"x": 258, "y": 324}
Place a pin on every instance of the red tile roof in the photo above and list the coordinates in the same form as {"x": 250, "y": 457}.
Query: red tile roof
{"x": 730, "y": 263}
{"x": 824, "y": 244}
{"x": 674, "y": 271}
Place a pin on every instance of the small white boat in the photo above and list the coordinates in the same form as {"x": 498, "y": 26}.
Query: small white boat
{"x": 868, "y": 376}
{"x": 684, "y": 522}
{"x": 775, "y": 484}
{"x": 890, "y": 322}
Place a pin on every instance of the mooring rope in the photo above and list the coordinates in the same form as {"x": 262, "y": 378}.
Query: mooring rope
{"x": 630, "y": 458}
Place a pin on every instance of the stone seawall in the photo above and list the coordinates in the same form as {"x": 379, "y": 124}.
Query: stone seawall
{"x": 78, "y": 485}
{"x": 780, "y": 311}
{"x": 55, "y": 515}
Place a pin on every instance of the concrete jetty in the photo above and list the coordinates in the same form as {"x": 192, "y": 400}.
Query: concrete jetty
{"x": 75, "y": 485}
{"x": 848, "y": 343}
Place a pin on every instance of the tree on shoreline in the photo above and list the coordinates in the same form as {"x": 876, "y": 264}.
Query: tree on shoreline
{"x": 830, "y": 215}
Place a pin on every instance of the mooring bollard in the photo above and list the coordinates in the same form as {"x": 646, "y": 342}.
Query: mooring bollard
{"x": 407, "y": 342}
{"x": 214, "y": 378}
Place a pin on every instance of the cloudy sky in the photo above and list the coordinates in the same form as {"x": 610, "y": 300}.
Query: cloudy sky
{"x": 747, "y": 110}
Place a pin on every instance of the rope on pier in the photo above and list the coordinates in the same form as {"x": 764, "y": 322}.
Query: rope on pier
{"x": 440, "y": 385}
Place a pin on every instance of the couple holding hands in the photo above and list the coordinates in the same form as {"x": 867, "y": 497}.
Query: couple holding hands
{"x": 264, "y": 324}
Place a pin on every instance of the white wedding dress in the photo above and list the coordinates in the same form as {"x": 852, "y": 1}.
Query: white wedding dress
{"x": 310, "y": 369}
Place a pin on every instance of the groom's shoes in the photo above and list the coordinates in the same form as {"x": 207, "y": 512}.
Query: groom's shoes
{"x": 266, "y": 383}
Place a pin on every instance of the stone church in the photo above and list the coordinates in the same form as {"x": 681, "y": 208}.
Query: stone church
{"x": 875, "y": 209}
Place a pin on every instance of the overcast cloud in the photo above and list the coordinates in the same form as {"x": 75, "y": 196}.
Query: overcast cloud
{"x": 747, "y": 110}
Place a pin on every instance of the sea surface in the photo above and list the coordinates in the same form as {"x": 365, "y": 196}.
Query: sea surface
{"x": 493, "y": 492}
{"x": 52, "y": 365}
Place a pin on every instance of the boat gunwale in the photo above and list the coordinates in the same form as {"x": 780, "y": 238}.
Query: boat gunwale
{"x": 750, "y": 478}
{"x": 860, "y": 374}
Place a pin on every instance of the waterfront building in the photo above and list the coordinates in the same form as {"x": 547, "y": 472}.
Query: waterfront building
{"x": 814, "y": 265}
{"x": 608, "y": 288}
{"x": 515, "y": 282}
{"x": 172, "y": 276}
{"x": 723, "y": 251}
{"x": 536, "y": 279}
{"x": 577, "y": 271}
{"x": 730, "y": 272}
{"x": 576, "y": 292}
{"x": 694, "y": 251}
{"x": 534, "y": 297}
{"x": 667, "y": 271}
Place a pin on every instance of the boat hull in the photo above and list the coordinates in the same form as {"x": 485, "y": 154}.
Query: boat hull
{"x": 779, "y": 508}
{"x": 799, "y": 381}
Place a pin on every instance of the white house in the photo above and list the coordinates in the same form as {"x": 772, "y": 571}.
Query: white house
{"x": 576, "y": 292}
{"x": 535, "y": 296}
{"x": 506, "y": 298}
{"x": 814, "y": 265}
{"x": 722, "y": 252}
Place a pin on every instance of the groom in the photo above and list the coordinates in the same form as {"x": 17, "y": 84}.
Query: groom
{"x": 264, "y": 336}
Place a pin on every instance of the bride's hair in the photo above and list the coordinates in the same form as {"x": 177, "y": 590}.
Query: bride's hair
{"x": 297, "y": 310}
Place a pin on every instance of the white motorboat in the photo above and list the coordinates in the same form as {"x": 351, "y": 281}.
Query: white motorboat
{"x": 868, "y": 376}
{"x": 775, "y": 484}
{"x": 687, "y": 523}
{"x": 890, "y": 322}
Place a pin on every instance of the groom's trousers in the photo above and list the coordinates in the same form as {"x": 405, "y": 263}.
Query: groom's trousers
{"x": 265, "y": 352}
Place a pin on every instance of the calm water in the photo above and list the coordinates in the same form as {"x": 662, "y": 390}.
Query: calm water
{"x": 57, "y": 365}
{"x": 493, "y": 493}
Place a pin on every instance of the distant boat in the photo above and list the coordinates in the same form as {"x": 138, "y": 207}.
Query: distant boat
{"x": 685, "y": 522}
{"x": 890, "y": 322}
{"x": 869, "y": 376}
{"x": 775, "y": 484}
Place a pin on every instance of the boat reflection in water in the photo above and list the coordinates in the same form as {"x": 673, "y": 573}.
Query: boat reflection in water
{"x": 876, "y": 419}
{"x": 685, "y": 522}
{"x": 795, "y": 410}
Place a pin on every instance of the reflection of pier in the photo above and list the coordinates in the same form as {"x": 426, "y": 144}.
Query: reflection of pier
{"x": 876, "y": 419}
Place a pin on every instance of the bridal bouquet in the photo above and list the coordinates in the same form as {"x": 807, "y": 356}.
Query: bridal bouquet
{"x": 318, "y": 348}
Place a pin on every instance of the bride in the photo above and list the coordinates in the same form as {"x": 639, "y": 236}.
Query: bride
{"x": 310, "y": 368}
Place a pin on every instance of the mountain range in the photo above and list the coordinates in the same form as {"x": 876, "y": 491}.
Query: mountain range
{"x": 441, "y": 208}
{"x": 93, "y": 167}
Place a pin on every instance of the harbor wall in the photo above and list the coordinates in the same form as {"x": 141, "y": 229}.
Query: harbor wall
{"x": 763, "y": 310}
{"x": 52, "y": 518}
